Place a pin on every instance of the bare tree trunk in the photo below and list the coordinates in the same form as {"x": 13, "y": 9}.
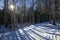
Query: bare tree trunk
{"x": 33, "y": 20}
{"x": 24, "y": 11}
{"x": 55, "y": 12}
{"x": 30, "y": 14}
{"x": 13, "y": 18}
{"x": 38, "y": 10}
{"x": 6, "y": 11}
{"x": 50, "y": 12}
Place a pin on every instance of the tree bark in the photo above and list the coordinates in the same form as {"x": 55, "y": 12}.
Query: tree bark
{"x": 6, "y": 11}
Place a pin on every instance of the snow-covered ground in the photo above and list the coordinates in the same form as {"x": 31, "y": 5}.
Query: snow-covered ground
{"x": 43, "y": 31}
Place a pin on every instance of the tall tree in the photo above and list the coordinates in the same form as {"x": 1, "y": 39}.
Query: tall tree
{"x": 6, "y": 11}
{"x": 55, "y": 11}
{"x": 49, "y": 10}
{"x": 38, "y": 9}
{"x": 33, "y": 20}
{"x": 24, "y": 10}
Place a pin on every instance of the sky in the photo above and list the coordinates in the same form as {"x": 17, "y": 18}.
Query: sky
{"x": 27, "y": 2}
{"x": 1, "y": 4}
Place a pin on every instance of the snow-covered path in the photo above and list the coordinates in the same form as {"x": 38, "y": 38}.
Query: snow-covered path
{"x": 33, "y": 32}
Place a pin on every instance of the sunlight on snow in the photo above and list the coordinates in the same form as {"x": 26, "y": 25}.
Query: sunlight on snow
{"x": 32, "y": 26}
{"x": 43, "y": 32}
{"x": 18, "y": 35}
{"x": 36, "y": 37}
{"x": 45, "y": 35}
{"x": 21, "y": 31}
{"x": 57, "y": 32}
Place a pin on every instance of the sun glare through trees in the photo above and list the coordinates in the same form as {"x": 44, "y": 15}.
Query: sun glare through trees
{"x": 29, "y": 19}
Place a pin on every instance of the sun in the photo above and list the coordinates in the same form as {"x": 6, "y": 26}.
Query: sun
{"x": 11, "y": 7}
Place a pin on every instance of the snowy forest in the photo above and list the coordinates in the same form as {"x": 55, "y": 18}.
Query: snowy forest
{"x": 32, "y": 11}
{"x": 30, "y": 19}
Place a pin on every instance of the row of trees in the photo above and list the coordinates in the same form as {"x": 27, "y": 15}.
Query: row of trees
{"x": 33, "y": 11}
